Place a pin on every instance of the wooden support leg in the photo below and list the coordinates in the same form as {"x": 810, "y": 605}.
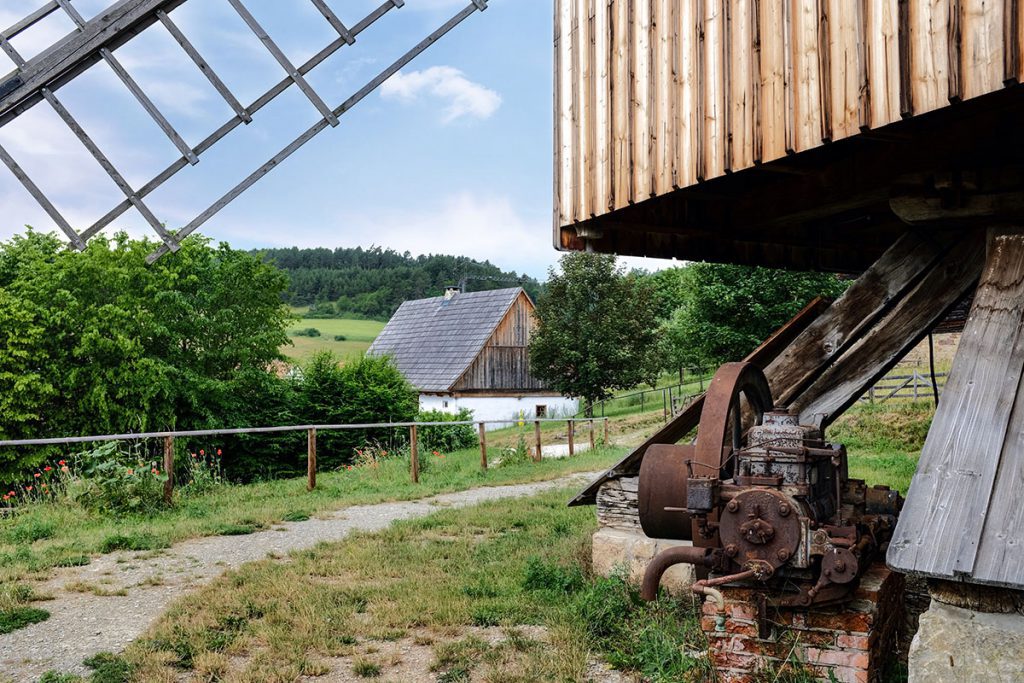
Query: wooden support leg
{"x": 169, "y": 469}
{"x": 962, "y": 518}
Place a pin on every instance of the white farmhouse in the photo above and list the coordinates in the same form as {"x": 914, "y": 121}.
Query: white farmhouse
{"x": 470, "y": 351}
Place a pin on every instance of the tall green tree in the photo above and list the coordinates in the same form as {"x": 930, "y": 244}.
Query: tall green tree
{"x": 726, "y": 310}
{"x": 597, "y": 329}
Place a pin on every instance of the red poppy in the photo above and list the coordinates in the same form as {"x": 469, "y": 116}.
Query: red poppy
{"x": 47, "y": 469}
{"x": 61, "y": 462}
{"x": 156, "y": 471}
{"x": 436, "y": 453}
{"x": 28, "y": 488}
{"x": 131, "y": 471}
{"x": 218, "y": 451}
{"x": 193, "y": 455}
{"x": 202, "y": 452}
{"x": 37, "y": 475}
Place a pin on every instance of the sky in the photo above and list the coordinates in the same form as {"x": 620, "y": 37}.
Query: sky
{"x": 452, "y": 155}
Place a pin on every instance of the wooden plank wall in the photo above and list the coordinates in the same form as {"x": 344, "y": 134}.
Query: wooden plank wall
{"x": 503, "y": 363}
{"x": 656, "y": 95}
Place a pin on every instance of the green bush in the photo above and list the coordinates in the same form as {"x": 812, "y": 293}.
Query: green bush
{"x": 306, "y": 332}
{"x": 20, "y": 617}
{"x": 447, "y": 439}
{"x": 118, "y": 481}
{"x": 340, "y": 337}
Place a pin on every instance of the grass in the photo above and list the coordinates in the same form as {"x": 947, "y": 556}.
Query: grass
{"x": 73, "y": 534}
{"x": 359, "y": 334}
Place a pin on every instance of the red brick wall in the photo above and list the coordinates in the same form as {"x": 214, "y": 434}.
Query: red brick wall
{"x": 852, "y": 641}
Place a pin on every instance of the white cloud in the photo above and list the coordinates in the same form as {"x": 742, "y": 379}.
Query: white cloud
{"x": 461, "y": 96}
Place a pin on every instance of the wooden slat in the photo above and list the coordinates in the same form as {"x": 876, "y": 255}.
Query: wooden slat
{"x": 1011, "y": 42}
{"x": 686, "y": 124}
{"x": 641, "y": 132}
{"x": 620, "y": 89}
{"x": 942, "y": 524}
{"x": 602, "y": 115}
{"x": 30, "y": 20}
{"x": 663, "y": 120}
{"x": 883, "y": 61}
{"x": 929, "y": 52}
{"x": 955, "y": 42}
{"x": 773, "y": 112}
{"x": 38, "y": 195}
{"x": 563, "y": 92}
{"x": 586, "y": 113}
{"x": 982, "y": 26}
{"x": 575, "y": 78}
{"x": 806, "y": 77}
{"x": 743, "y": 110}
{"x": 714, "y": 99}
{"x": 846, "y": 60}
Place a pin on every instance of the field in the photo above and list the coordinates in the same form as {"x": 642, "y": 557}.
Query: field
{"x": 359, "y": 334}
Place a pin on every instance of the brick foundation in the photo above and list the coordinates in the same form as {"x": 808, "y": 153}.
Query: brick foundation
{"x": 852, "y": 641}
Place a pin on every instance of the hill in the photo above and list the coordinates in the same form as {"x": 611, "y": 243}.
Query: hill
{"x": 372, "y": 283}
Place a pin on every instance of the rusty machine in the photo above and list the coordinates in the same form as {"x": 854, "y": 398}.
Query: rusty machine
{"x": 765, "y": 501}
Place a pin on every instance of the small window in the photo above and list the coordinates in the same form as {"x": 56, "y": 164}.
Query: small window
{"x": 542, "y": 411}
{"x": 446, "y": 404}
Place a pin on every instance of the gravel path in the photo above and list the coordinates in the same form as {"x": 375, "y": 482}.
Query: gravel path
{"x": 82, "y": 624}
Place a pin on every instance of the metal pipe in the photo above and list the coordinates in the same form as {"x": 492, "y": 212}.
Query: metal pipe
{"x": 706, "y": 587}
{"x": 668, "y": 558}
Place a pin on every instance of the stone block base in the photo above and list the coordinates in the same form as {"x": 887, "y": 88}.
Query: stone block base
{"x": 615, "y": 550}
{"x": 958, "y": 644}
{"x": 848, "y": 643}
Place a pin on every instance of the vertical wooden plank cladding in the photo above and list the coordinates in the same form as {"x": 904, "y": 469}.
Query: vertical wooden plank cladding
{"x": 982, "y": 51}
{"x": 602, "y": 112}
{"x": 1011, "y": 42}
{"x": 581, "y": 45}
{"x": 957, "y": 469}
{"x": 688, "y": 124}
{"x": 621, "y": 101}
{"x": 574, "y": 88}
{"x": 712, "y": 86}
{"x": 883, "y": 52}
{"x": 664, "y": 117}
{"x": 742, "y": 96}
{"x": 806, "y": 78}
{"x": 774, "y": 113}
{"x": 929, "y": 54}
{"x": 556, "y": 124}
{"x": 564, "y": 121}
{"x": 641, "y": 173}
{"x": 1019, "y": 38}
{"x": 845, "y": 54}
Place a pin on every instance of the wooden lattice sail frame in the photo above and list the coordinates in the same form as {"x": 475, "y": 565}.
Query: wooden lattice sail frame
{"x": 40, "y": 78}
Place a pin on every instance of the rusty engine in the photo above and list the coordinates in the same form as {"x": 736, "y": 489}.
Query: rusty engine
{"x": 764, "y": 500}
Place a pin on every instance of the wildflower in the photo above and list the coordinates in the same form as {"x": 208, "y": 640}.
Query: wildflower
{"x": 45, "y": 487}
{"x": 47, "y": 469}
{"x": 61, "y": 463}
{"x": 193, "y": 455}
{"x": 384, "y": 453}
{"x": 202, "y": 452}
{"x": 28, "y": 488}
{"x": 218, "y": 452}
{"x": 64, "y": 468}
{"x": 436, "y": 453}
{"x": 156, "y": 471}
{"x": 37, "y": 475}
{"x": 131, "y": 471}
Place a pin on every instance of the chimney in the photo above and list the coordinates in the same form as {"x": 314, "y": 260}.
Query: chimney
{"x": 450, "y": 291}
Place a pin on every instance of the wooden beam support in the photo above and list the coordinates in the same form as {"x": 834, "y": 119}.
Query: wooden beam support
{"x": 961, "y": 520}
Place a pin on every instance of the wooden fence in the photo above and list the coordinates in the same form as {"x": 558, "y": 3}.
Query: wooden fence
{"x": 311, "y": 434}
{"x": 914, "y": 386}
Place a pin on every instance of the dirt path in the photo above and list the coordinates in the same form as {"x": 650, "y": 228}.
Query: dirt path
{"x": 83, "y": 623}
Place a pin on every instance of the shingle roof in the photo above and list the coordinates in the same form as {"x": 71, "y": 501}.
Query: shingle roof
{"x": 434, "y": 341}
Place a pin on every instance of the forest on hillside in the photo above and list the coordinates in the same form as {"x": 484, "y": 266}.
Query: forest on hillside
{"x": 373, "y": 282}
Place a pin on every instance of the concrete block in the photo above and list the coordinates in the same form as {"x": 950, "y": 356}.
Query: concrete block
{"x": 956, "y": 644}
{"x": 614, "y": 549}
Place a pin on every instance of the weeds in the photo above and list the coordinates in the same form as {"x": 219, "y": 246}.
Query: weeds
{"x": 20, "y": 617}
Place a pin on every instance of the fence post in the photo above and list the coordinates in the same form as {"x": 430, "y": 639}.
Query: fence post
{"x": 540, "y": 448}
{"x": 606, "y": 431}
{"x": 483, "y": 445}
{"x": 414, "y": 455}
{"x": 169, "y": 469}
{"x": 871, "y": 394}
{"x": 915, "y": 385}
{"x": 572, "y": 447}
{"x": 311, "y": 459}
{"x": 664, "y": 404}
{"x": 593, "y": 445}
{"x": 642, "y": 401}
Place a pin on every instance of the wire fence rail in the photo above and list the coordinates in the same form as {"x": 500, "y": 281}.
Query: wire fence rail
{"x": 311, "y": 437}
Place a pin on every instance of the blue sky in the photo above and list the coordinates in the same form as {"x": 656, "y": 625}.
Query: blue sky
{"x": 451, "y": 156}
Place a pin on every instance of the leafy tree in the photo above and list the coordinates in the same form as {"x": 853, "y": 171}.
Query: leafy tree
{"x": 364, "y": 390}
{"x": 727, "y": 310}
{"x": 597, "y": 329}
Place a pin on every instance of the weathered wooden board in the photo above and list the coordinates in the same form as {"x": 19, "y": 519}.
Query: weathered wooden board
{"x": 889, "y": 339}
{"x": 971, "y": 451}
{"x": 674, "y": 93}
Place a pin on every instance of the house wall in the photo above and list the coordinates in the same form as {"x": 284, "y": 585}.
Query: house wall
{"x": 503, "y": 364}
{"x": 501, "y": 407}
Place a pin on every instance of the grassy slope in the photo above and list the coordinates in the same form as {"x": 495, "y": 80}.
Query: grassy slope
{"x": 359, "y": 335}
{"x": 47, "y": 536}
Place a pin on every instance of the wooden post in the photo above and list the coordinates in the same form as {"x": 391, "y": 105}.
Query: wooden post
{"x": 593, "y": 444}
{"x": 169, "y": 469}
{"x": 414, "y": 455}
{"x": 536, "y": 433}
{"x": 483, "y": 446}
{"x": 606, "y": 431}
{"x": 311, "y": 459}
{"x": 572, "y": 447}
{"x": 664, "y": 404}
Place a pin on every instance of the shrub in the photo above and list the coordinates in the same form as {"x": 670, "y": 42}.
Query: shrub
{"x": 119, "y": 481}
{"x": 447, "y": 439}
{"x": 340, "y": 337}
{"x": 515, "y": 455}
{"x": 307, "y": 332}
{"x": 131, "y": 541}
{"x": 20, "y": 617}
